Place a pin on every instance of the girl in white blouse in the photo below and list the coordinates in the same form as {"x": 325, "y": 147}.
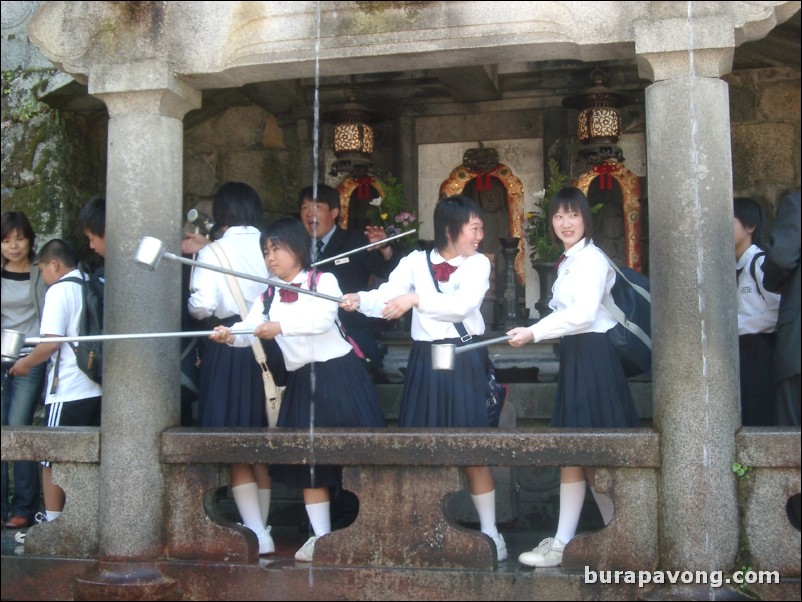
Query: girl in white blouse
{"x": 444, "y": 398}
{"x": 592, "y": 390}
{"x": 326, "y": 380}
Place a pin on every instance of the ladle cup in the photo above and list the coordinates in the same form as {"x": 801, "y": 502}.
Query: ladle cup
{"x": 444, "y": 354}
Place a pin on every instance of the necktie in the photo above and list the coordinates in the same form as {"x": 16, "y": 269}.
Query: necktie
{"x": 288, "y": 296}
{"x": 443, "y": 271}
{"x": 318, "y": 250}
{"x": 559, "y": 262}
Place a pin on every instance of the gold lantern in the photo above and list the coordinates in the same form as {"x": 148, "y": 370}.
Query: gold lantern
{"x": 354, "y": 139}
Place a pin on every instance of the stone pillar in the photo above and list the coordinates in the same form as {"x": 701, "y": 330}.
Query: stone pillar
{"x": 694, "y": 325}
{"x": 146, "y": 104}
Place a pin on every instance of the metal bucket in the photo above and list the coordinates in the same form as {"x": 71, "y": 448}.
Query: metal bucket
{"x": 150, "y": 252}
{"x": 443, "y": 355}
{"x": 11, "y": 344}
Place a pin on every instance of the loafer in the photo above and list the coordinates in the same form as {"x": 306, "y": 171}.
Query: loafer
{"x": 18, "y": 522}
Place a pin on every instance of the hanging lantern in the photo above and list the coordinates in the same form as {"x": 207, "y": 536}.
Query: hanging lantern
{"x": 599, "y": 123}
{"x": 354, "y": 139}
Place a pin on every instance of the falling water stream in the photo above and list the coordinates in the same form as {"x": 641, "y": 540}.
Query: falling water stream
{"x": 315, "y": 165}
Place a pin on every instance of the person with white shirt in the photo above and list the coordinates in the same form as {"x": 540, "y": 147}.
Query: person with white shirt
{"x": 444, "y": 287}
{"x": 326, "y": 381}
{"x": 592, "y": 390}
{"x": 757, "y": 317}
{"x": 72, "y": 399}
{"x": 231, "y": 392}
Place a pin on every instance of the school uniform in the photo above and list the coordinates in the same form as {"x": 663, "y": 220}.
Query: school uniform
{"x": 231, "y": 387}
{"x": 325, "y": 378}
{"x": 440, "y": 398}
{"x": 592, "y": 390}
{"x": 757, "y": 322}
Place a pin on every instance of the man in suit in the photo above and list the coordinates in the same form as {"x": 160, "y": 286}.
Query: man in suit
{"x": 781, "y": 274}
{"x": 319, "y": 216}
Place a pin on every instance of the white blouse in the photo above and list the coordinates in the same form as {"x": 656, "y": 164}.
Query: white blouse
{"x": 584, "y": 277}
{"x": 434, "y": 318}
{"x": 309, "y": 331}
{"x": 211, "y": 295}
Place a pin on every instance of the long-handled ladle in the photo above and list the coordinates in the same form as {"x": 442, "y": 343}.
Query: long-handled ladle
{"x": 12, "y": 341}
{"x": 151, "y": 250}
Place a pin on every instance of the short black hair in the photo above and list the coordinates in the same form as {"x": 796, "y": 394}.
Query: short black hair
{"x": 325, "y": 194}
{"x": 17, "y": 220}
{"x": 570, "y": 199}
{"x": 749, "y": 212}
{"x": 60, "y": 250}
{"x": 450, "y": 214}
{"x": 290, "y": 233}
{"x": 93, "y": 216}
{"x": 237, "y": 204}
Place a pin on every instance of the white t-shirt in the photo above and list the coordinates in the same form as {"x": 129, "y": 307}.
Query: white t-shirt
{"x": 61, "y": 316}
{"x": 460, "y": 298}
{"x": 757, "y": 307}
{"x": 584, "y": 277}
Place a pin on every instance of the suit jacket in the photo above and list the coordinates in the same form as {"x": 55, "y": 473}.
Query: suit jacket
{"x": 353, "y": 272}
{"x": 781, "y": 274}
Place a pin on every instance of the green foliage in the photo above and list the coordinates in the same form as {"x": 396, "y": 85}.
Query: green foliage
{"x": 390, "y": 211}
{"x": 741, "y": 471}
{"x": 536, "y": 224}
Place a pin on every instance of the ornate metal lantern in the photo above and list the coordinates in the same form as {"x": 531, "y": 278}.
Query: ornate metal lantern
{"x": 599, "y": 124}
{"x": 354, "y": 139}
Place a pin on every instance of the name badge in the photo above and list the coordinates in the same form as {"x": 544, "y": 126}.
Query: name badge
{"x": 342, "y": 260}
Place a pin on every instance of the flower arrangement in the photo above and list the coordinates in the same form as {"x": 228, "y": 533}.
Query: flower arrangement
{"x": 391, "y": 213}
{"x": 536, "y": 223}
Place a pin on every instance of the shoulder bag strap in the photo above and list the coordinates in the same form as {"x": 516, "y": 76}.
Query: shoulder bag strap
{"x": 461, "y": 330}
{"x": 256, "y": 345}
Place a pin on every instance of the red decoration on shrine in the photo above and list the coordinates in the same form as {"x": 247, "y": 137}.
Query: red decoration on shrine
{"x": 605, "y": 179}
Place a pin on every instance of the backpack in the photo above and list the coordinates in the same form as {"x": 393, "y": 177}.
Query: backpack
{"x": 630, "y": 303}
{"x": 88, "y": 354}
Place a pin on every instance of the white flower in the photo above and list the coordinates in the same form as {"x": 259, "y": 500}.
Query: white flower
{"x": 376, "y": 202}
{"x": 539, "y": 195}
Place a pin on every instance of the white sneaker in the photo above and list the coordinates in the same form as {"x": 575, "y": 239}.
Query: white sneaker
{"x": 501, "y": 547}
{"x": 266, "y": 545}
{"x": 548, "y": 553}
{"x": 307, "y": 550}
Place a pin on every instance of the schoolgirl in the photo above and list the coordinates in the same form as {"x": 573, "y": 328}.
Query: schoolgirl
{"x": 442, "y": 398}
{"x": 592, "y": 390}
{"x": 326, "y": 381}
{"x": 757, "y": 317}
{"x": 231, "y": 392}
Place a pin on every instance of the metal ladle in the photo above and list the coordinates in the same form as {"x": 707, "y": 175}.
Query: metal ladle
{"x": 12, "y": 341}
{"x": 151, "y": 250}
{"x": 443, "y": 355}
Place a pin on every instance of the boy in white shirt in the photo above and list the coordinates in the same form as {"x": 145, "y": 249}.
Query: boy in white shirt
{"x": 72, "y": 399}
{"x": 757, "y": 317}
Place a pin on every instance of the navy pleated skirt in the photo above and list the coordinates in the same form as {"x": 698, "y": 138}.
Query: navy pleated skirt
{"x": 592, "y": 390}
{"x": 342, "y": 395}
{"x": 443, "y": 398}
{"x": 231, "y": 387}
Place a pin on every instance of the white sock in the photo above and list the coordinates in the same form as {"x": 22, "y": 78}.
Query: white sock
{"x": 572, "y": 496}
{"x": 264, "y": 504}
{"x": 319, "y": 517}
{"x": 247, "y": 500}
{"x": 485, "y": 504}
{"x": 52, "y": 515}
{"x": 605, "y": 504}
